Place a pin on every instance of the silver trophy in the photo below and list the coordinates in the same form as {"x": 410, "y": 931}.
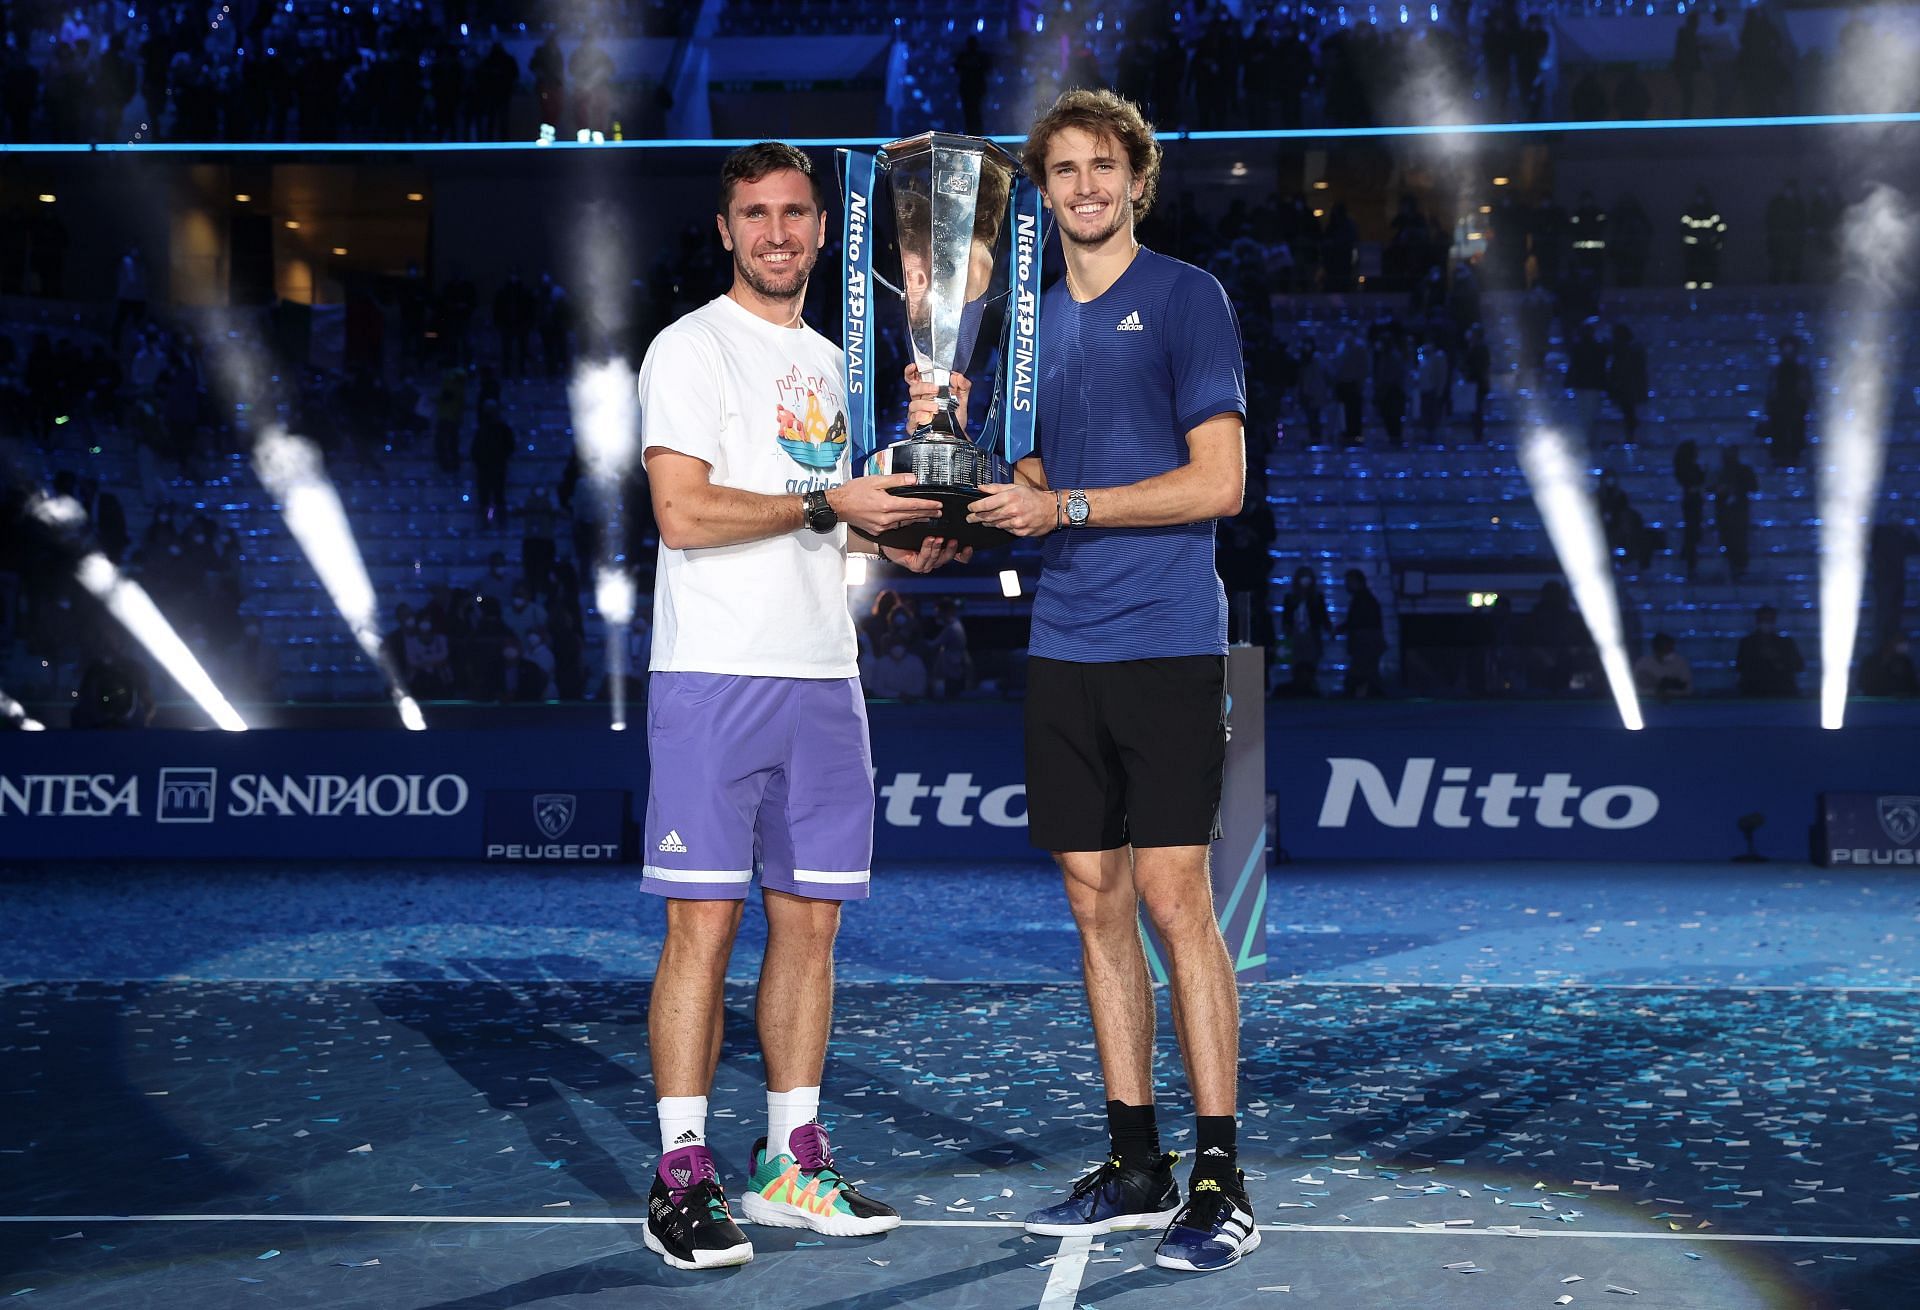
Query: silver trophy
{"x": 968, "y": 268}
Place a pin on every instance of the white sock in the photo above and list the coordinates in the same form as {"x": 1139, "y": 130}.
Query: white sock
{"x": 787, "y": 1111}
{"x": 683, "y": 1122}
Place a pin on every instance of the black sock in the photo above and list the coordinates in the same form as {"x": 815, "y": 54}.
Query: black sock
{"x": 1136, "y": 1137}
{"x": 1216, "y": 1152}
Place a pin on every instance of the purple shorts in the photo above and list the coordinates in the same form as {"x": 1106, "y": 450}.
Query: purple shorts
{"x": 767, "y": 773}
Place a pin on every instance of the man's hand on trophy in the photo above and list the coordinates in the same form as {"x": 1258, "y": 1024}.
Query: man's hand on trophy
{"x": 934, "y": 552}
{"x": 866, "y": 504}
{"x": 1017, "y": 508}
{"x": 921, "y": 402}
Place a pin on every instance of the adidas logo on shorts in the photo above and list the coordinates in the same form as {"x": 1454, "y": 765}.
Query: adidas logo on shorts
{"x": 1131, "y": 323}
{"x": 672, "y": 845}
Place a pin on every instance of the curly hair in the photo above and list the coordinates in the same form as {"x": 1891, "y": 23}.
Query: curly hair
{"x": 1101, "y": 114}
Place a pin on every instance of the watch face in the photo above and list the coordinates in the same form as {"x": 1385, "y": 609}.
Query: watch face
{"x": 1077, "y": 508}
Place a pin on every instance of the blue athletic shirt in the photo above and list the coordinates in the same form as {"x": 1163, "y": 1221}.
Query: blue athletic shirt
{"x": 1124, "y": 378}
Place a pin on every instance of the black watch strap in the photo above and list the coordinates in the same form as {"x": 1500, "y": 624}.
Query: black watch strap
{"x": 818, "y": 512}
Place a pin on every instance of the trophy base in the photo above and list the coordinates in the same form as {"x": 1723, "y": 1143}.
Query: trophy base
{"x": 952, "y": 523}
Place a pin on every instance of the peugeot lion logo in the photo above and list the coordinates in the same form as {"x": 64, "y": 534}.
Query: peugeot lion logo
{"x": 553, "y": 813}
{"x": 1900, "y": 818}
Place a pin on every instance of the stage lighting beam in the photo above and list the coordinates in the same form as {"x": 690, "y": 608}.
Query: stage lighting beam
{"x": 1573, "y": 526}
{"x": 293, "y": 470}
{"x": 14, "y": 710}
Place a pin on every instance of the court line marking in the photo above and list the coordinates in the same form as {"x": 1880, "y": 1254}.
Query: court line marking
{"x": 1292, "y": 983}
{"x": 560, "y": 1220}
{"x": 1064, "y": 1274}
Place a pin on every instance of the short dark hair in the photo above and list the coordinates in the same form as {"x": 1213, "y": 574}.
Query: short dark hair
{"x": 751, "y": 163}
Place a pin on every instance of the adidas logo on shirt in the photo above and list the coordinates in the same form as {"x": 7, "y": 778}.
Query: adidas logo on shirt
{"x": 1131, "y": 323}
{"x": 672, "y": 845}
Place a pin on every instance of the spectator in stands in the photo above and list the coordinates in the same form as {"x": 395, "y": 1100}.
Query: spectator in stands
{"x": 1687, "y": 59}
{"x": 1390, "y": 368}
{"x": 494, "y": 83}
{"x": 1626, "y": 529}
{"x": 1786, "y": 235}
{"x": 1632, "y": 98}
{"x": 513, "y": 678}
{"x": 1703, "y": 232}
{"x": 1769, "y": 663}
{"x": 115, "y": 691}
{"x": 1305, "y": 624}
{"x": 1242, "y": 546}
{"x": 429, "y": 664}
{"x": 394, "y": 644}
{"x": 1559, "y": 648}
{"x": 492, "y": 449}
{"x": 1477, "y": 369}
{"x": 130, "y": 294}
{"x": 1734, "y": 487}
{"x": 514, "y": 313}
{"x": 1664, "y": 671}
{"x": 449, "y": 417}
{"x": 1434, "y": 376}
{"x": 523, "y": 613}
{"x": 1888, "y": 549}
{"x": 1629, "y": 241}
{"x": 549, "y": 68}
{"x": 1313, "y": 382}
{"x": 952, "y": 670}
{"x": 592, "y": 70}
{"x": 896, "y": 672}
{"x": 540, "y": 653}
{"x": 554, "y": 316}
{"x": 1789, "y": 397}
{"x": 1351, "y": 365}
{"x": 1889, "y": 670}
{"x": 1587, "y": 376}
{"x": 1366, "y": 635}
{"x": 537, "y": 550}
{"x": 1691, "y": 477}
{"x": 971, "y": 68}
{"x": 1627, "y": 378}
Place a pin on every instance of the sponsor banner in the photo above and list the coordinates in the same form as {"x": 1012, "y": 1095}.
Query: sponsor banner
{"x": 287, "y": 795}
{"x": 1597, "y": 793}
{"x": 950, "y": 784}
{"x": 1861, "y": 829}
{"x": 557, "y": 826}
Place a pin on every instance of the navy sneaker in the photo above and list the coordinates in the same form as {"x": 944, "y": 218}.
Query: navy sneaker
{"x": 1213, "y": 1230}
{"x": 1112, "y": 1198}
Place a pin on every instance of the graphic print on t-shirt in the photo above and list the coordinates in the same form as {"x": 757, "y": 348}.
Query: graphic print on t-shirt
{"x": 802, "y": 427}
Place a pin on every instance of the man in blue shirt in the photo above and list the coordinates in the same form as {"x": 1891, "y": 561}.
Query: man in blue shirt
{"x": 1141, "y": 405}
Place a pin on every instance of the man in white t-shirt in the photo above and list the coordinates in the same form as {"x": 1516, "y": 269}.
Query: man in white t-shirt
{"x": 755, "y": 724}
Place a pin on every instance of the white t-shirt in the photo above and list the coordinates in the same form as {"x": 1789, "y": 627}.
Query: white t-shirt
{"x": 765, "y": 407}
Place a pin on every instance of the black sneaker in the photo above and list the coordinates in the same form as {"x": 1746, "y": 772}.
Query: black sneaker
{"x": 1213, "y": 1230}
{"x": 688, "y": 1223}
{"x": 1112, "y": 1198}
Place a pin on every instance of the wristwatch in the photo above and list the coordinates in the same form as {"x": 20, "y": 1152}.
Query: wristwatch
{"x": 1078, "y": 510}
{"x": 818, "y": 513}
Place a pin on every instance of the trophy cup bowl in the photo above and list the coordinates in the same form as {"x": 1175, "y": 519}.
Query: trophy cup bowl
{"x": 949, "y": 197}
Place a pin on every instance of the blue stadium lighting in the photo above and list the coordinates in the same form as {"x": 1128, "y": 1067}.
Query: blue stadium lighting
{"x": 823, "y": 142}
{"x": 979, "y": 24}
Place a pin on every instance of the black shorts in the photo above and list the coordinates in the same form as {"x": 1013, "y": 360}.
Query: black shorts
{"x": 1127, "y": 753}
